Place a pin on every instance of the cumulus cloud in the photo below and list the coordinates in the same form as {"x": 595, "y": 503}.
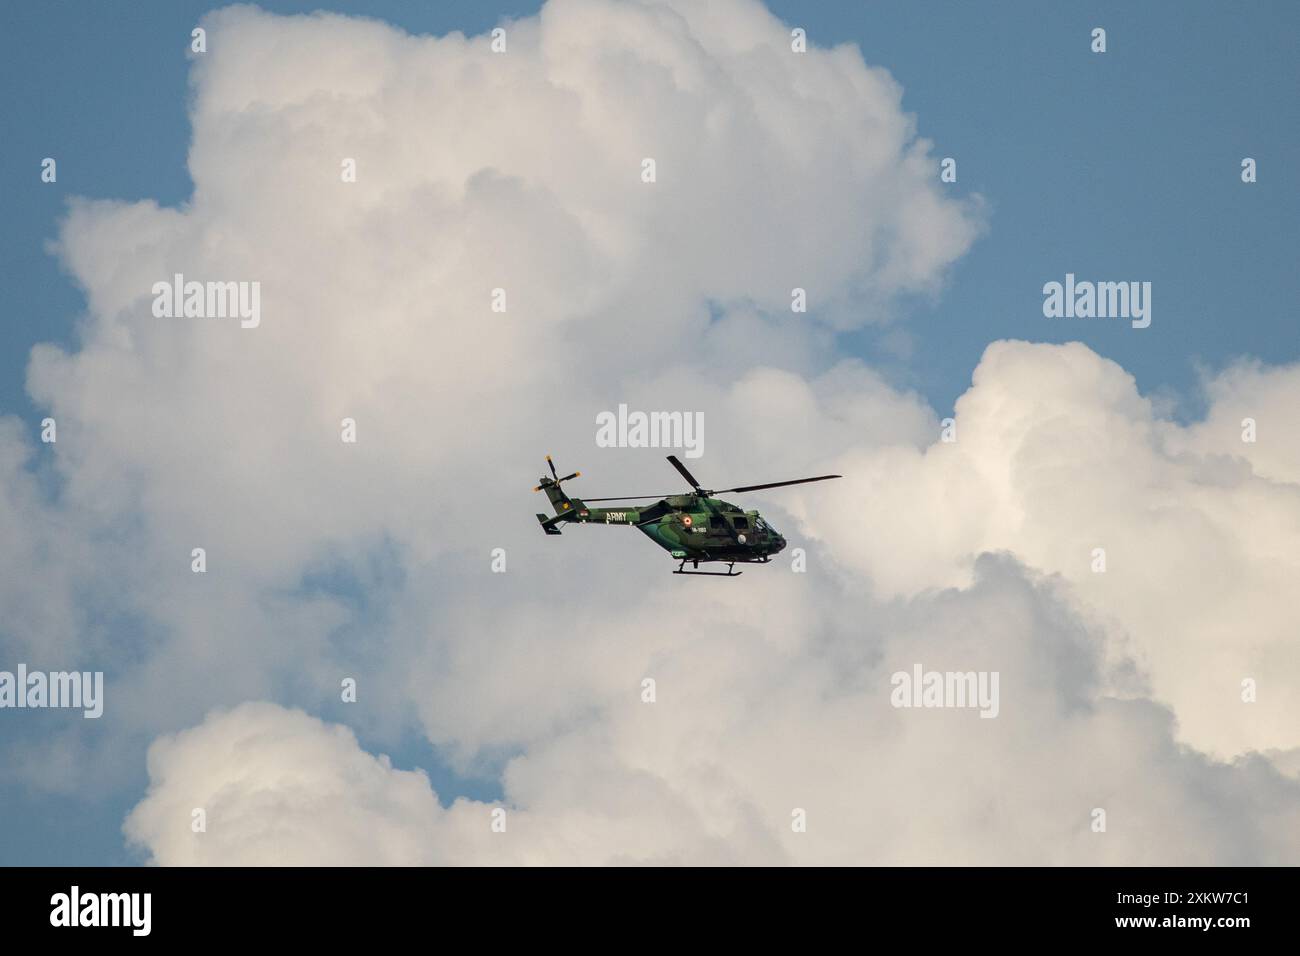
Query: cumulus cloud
{"x": 522, "y": 171}
{"x": 475, "y": 171}
{"x": 745, "y": 732}
{"x": 276, "y": 786}
{"x": 1058, "y": 455}
{"x": 1251, "y": 400}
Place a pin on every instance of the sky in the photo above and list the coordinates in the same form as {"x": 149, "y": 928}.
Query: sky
{"x": 1031, "y": 118}
{"x": 926, "y": 301}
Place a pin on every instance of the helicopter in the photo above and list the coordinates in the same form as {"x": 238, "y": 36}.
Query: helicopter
{"x": 694, "y": 527}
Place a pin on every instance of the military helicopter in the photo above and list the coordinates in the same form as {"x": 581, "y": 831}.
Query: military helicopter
{"x": 693, "y": 527}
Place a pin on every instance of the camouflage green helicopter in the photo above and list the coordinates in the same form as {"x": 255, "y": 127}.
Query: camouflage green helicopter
{"x": 693, "y": 527}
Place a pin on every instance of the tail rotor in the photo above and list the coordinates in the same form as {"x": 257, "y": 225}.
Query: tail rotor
{"x": 555, "y": 478}
{"x": 565, "y": 507}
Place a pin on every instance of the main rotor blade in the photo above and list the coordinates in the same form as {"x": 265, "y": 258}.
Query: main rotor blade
{"x": 685, "y": 474}
{"x": 776, "y": 484}
{"x": 625, "y": 498}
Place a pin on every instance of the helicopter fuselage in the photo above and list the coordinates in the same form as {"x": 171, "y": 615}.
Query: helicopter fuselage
{"x": 695, "y": 528}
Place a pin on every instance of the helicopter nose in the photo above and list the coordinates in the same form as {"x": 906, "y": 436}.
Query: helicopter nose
{"x": 779, "y": 546}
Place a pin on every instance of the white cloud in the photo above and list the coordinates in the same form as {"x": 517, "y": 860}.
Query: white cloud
{"x": 277, "y": 786}
{"x": 1265, "y": 396}
{"x": 1057, "y": 455}
{"x": 746, "y": 729}
{"x": 183, "y": 433}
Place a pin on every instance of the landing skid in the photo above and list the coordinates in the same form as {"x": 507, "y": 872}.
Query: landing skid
{"x": 731, "y": 571}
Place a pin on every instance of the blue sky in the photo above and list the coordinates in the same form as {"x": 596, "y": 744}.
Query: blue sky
{"x": 1117, "y": 166}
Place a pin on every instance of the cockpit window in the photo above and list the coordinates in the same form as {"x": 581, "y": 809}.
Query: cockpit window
{"x": 760, "y": 524}
{"x": 742, "y": 522}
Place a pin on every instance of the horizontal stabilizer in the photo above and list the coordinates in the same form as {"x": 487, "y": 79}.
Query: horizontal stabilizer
{"x": 548, "y": 524}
